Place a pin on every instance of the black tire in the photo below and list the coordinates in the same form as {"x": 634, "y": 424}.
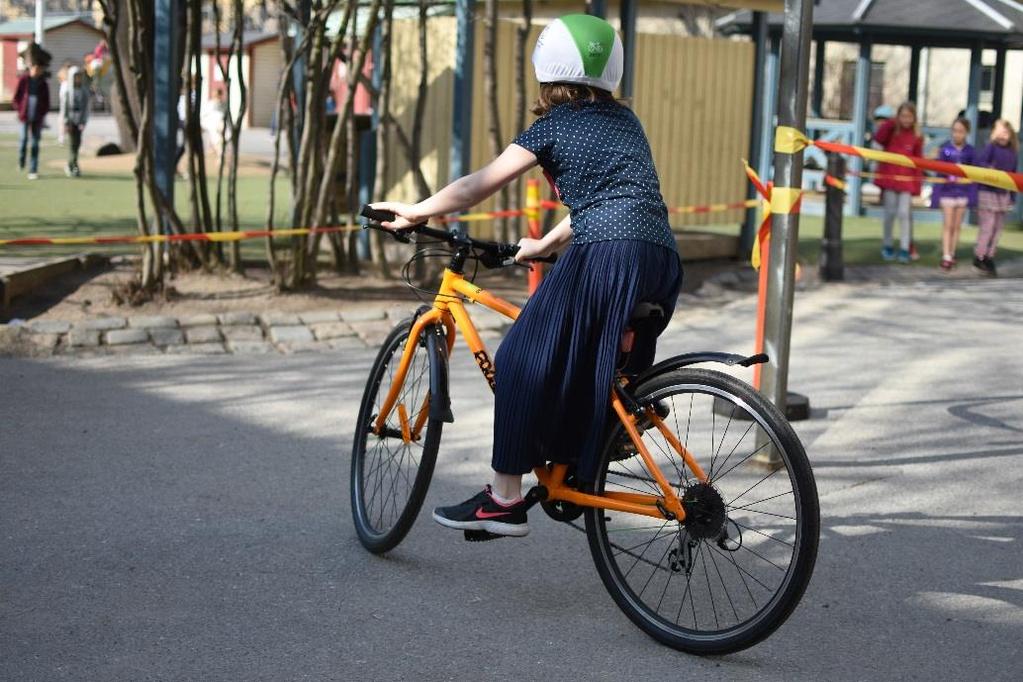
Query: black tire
{"x": 400, "y": 471}
{"x": 764, "y": 545}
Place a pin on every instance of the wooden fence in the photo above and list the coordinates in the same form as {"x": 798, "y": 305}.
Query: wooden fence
{"x": 693, "y": 96}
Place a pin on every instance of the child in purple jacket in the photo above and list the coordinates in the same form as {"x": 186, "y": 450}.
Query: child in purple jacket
{"x": 954, "y": 197}
{"x": 993, "y": 202}
{"x": 32, "y": 101}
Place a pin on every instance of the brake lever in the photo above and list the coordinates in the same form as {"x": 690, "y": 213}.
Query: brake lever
{"x": 399, "y": 235}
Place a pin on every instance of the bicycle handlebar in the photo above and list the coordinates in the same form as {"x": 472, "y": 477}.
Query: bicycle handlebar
{"x": 501, "y": 254}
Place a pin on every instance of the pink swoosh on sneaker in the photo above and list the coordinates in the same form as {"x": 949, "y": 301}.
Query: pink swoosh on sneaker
{"x": 480, "y": 514}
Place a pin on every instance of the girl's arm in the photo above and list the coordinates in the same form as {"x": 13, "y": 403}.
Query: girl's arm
{"x": 19, "y": 93}
{"x": 464, "y": 192}
{"x": 553, "y": 241}
{"x": 884, "y": 132}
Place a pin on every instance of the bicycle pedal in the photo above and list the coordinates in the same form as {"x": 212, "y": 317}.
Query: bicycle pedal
{"x": 480, "y": 535}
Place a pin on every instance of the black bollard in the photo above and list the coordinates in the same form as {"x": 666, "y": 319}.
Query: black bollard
{"x": 831, "y": 243}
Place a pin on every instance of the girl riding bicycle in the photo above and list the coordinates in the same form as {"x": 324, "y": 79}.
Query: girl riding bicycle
{"x": 563, "y": 349}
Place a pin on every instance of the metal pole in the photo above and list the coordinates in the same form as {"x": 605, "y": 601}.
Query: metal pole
{"x": 999, "y": 84}
{"x": 1018, "y": 211}
{"x": 914, "y": 75}
{"x": 166, "y": 18}
{"x": 757, "y": 114}
{"x": 788, "y": 179}
{"x": 461, "y": 123}
{"x": 973, "y": 91}
{"x": 627, "y": 11}
{"x": 818, "y": 78}
{"x": 461, "y": 132}
{"x": 40, "y": 16}
{"x": 770, "y": 105}
{"x": 368, "y": 138}
{"x": 597, "y": 8}
{"x": 861, "y": 96}
{"x": 831, "y": 265}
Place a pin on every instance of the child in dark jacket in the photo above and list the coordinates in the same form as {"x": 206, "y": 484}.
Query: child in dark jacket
{"x": 899, "y": 185}
{"x": 993, "y": 203}
{"x": 32, "y": 101}
{"x": 954, "y": 197}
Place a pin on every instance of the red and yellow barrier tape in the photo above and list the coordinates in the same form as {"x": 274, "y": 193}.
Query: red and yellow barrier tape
{"x": 185, "y": 237}
{"x": 922, "y": 178}
{"x": 789, "y": 140}
{"x": 545, "y": 205}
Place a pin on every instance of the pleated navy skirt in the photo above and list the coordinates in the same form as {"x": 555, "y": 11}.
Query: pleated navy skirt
{"x": 555, "y": 365}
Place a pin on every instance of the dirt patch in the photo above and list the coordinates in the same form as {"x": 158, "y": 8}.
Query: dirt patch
{"x": 86, "y": 294}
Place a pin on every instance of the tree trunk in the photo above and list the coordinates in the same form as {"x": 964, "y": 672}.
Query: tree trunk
{"x": 125, "y": 108}
{"x": 236, "y": 133}
{"x": 284, "y": 90}
{"x": 332, "y": 164}
{"x": 521, "y": 42}
{"x": 382, "y": 104}
{"x": 493, "y": 109}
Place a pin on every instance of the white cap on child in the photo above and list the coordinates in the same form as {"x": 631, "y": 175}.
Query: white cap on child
{"x": 579, "y": 48}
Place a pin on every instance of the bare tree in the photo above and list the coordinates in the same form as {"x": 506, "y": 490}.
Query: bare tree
{"x": 125, "y": 106}
{"x": 521, "y": 40}
{"x": 191, "y": 76}
{"x": 235, "y": 120}
{"x": 699, "y": 21}
{"x": 345, "y": 110}
{"x": 493, "y": 109}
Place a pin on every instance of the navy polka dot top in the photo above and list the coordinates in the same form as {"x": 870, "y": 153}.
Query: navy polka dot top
{"x": 598, "y": 158}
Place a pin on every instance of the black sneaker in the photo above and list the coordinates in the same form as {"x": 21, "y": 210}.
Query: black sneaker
{"x": 483, "y": 512}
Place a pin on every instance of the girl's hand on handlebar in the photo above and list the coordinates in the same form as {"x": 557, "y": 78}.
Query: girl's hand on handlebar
{"x": 530, "y": 249}
{"x": 406, "y": 214}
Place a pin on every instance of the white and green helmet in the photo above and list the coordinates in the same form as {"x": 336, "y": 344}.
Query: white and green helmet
{"x": 579, "y": 48}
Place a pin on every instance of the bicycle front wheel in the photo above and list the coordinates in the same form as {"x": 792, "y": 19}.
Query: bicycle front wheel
{"x": 391, "y": 470}
{"x": 731, "y": 573}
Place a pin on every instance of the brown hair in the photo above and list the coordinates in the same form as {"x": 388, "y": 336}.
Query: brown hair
{"x": 1013, "y": 138}
{"x": 911, "y": 108}
{"x": 963, "y": 121}
{"x": 553, "y": 94}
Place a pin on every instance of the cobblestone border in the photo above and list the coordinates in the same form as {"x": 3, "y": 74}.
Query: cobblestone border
{"x": 209, "y": 334}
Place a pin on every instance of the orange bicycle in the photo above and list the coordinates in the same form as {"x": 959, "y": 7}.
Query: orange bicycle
{"x": 702, "y": 520}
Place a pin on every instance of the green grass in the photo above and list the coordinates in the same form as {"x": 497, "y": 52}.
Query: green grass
{"x": 101, "y": 204}
{"x": 104, "y": 204}
{"x": 861, "y": 240}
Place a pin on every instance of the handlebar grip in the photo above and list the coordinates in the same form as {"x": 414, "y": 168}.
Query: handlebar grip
{"x": 553, "y": 258}
{"x": 377, "y": 215}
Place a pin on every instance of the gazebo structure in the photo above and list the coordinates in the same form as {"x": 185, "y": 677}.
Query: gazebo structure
{"x": 975, "y": 25}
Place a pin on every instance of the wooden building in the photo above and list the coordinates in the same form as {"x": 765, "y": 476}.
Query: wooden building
{"x": 67, "y": 38}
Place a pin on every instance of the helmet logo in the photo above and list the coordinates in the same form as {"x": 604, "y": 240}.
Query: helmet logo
{"x": 596, "y": 47}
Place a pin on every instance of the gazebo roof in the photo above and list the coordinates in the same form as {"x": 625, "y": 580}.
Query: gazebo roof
{"x": 936, "y": 23}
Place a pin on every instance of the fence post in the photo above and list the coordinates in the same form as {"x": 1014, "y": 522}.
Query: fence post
{"x": 533, "y": 224}
{"x": 831, "y": 264}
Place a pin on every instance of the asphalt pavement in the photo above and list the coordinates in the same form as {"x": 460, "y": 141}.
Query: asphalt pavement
{"x": 184, "y": 518}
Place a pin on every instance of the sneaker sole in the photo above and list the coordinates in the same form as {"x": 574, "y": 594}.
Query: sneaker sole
{"x": 517, "y": 530}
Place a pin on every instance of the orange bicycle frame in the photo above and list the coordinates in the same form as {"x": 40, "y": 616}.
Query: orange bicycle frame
{"x": 449, "y": 310}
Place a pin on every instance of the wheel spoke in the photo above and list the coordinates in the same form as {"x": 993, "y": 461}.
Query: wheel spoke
{"x": 388, "y": 468}
{"x": 729, "y": 587}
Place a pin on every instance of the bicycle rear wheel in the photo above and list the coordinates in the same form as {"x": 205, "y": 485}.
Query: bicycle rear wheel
{"x": 731, "y": 572}
{"x": 390, "y": 472}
